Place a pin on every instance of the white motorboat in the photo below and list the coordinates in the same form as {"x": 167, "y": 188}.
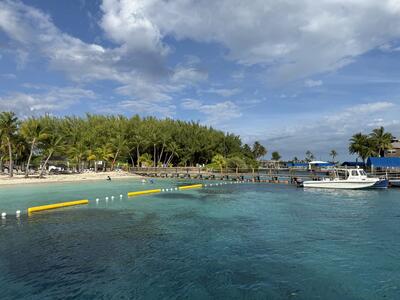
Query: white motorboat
{"x": 344, "y": 179}
{"x": 395, "y": 182}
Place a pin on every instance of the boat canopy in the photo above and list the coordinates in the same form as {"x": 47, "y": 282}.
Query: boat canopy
{"x": 353, "y": 164}
{"x": 383, "y": 162}
{"x": 320, "y": 163}
{"x": 297, "y": 164}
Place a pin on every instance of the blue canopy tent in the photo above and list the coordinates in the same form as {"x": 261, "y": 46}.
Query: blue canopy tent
{"x": 383, "y": 162}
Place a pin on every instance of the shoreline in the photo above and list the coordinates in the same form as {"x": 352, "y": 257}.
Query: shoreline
{"x": 63, "y": 178}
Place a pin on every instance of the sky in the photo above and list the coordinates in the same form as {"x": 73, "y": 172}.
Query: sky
{"x": 295, "y": 75}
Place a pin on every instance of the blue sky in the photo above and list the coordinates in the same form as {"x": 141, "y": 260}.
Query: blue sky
{"x": 295, "y": 75}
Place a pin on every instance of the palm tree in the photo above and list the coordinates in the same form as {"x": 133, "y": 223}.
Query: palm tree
{"x": 333, "y": 154}
{"x": 360, "y": 144}
{"x": 8, "y": 127}
{"x": 219, "y": 161}
{"x": 259, "y": 150}
{"x": 381, "y": 140}
{"x": 104, "y": 153}
{"x": 33, "y": 132}
{"x": 53, "y": 144}
{"x": 309, "y": 156}
{"x": 276, "y": 155}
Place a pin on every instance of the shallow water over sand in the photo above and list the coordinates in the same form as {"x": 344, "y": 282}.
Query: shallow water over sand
{"x": 246, "y": 241}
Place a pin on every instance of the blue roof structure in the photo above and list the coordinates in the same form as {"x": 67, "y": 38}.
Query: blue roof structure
{"x": 383, "y": 162}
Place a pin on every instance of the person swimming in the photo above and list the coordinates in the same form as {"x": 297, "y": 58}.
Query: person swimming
{"x": 108, "y": 178}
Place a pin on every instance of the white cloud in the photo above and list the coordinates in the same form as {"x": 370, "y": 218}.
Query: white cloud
{"x": 292, "y": 39}
{"x": 353, "y": 113}
{"x": 331, "y": 130}
{"x": 8, "y": 76}
{"x": 188, "y": 75}
{"x": 136, "y": 63}
{"x": 313, "y": 83}
{"x": 46, "y": 100}
{"x": 223, "y": 92}
{"x": 216, "y": 113}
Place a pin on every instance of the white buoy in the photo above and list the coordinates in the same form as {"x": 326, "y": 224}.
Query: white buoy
{"x": 120, "y": 196}
{"x": 112, "y": 197}
{"x": 205, "y": 185}
{"x": 106, "y": 198}
{"x": 3, "y": 215}
{"x": 17, "y": 213}
{"x": 162, "y": 190}
{"x": 176, "y": 189}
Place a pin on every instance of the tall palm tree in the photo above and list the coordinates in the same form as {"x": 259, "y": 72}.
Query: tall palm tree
{"x": 333, "y": 154}
{"x": 53, "y": 144}
{"x": 33, "y": 132}
{"x": 8, "y": 127}
{"x": 381, "y": 140}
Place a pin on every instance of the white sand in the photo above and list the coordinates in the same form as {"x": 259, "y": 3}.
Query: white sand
{"x": 19, "y": 179}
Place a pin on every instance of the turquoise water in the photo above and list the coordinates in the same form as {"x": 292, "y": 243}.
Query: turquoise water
{"x": 240, "y": 241}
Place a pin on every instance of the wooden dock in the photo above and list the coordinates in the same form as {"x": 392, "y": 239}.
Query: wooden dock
{"x": 272, "y": 175}
{"x": 255, "y": 175}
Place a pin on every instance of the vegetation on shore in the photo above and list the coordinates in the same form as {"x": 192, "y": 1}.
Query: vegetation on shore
{"x": 81, "y": 142}
{"x": 373, "y": 144}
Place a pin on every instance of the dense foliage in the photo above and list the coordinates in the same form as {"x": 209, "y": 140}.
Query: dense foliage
{"x": 373, "y": 144}
{"x": 81, "y": 142}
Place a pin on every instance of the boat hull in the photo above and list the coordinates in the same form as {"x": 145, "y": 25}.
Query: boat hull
{"x": 395, "y": 183}
{"x": 345, "y": 185}
{"x": 381, "y": 184}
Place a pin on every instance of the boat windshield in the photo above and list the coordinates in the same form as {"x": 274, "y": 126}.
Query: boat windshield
{"x": 342, "y": 174}
{"x": 362, "y": 173}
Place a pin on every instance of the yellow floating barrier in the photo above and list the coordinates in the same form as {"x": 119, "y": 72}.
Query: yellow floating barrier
{"x": 132, "y": 194}
{"x": 187, "y": 187}
{"x": 57, "y": 205}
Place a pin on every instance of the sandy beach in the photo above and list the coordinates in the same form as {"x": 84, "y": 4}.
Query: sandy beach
{"x": 20, "y": 179}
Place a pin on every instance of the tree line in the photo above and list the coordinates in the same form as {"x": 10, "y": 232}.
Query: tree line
{"x": 83, "y": 142}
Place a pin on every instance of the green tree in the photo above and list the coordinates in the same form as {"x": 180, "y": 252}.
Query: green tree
{"x": 218, "y": 161}
{"x": 333, "y": 154}
{"x": 259, "y": 150}
{"x": 8, "y": 131}
{"x": 145, "y": 160}
{"x": 361, "y": 145}
{"x": 381, "y": 140}
{"x": 34, "y": 133}
{"x": 309, "y": 156}
{"x": 52, "y": 145}
{"x": 276, "y": 155}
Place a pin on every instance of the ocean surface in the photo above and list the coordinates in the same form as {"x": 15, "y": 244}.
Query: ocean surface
{"x": 235, "y": 241}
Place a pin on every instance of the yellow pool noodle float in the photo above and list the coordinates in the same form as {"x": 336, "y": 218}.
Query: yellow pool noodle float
{"x": 57, "y": 205}
{"x": 132, "y": 194}
{"x": 193, "y": 186}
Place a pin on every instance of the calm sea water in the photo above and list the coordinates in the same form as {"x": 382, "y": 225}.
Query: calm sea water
{"x": 241, "y": 241}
